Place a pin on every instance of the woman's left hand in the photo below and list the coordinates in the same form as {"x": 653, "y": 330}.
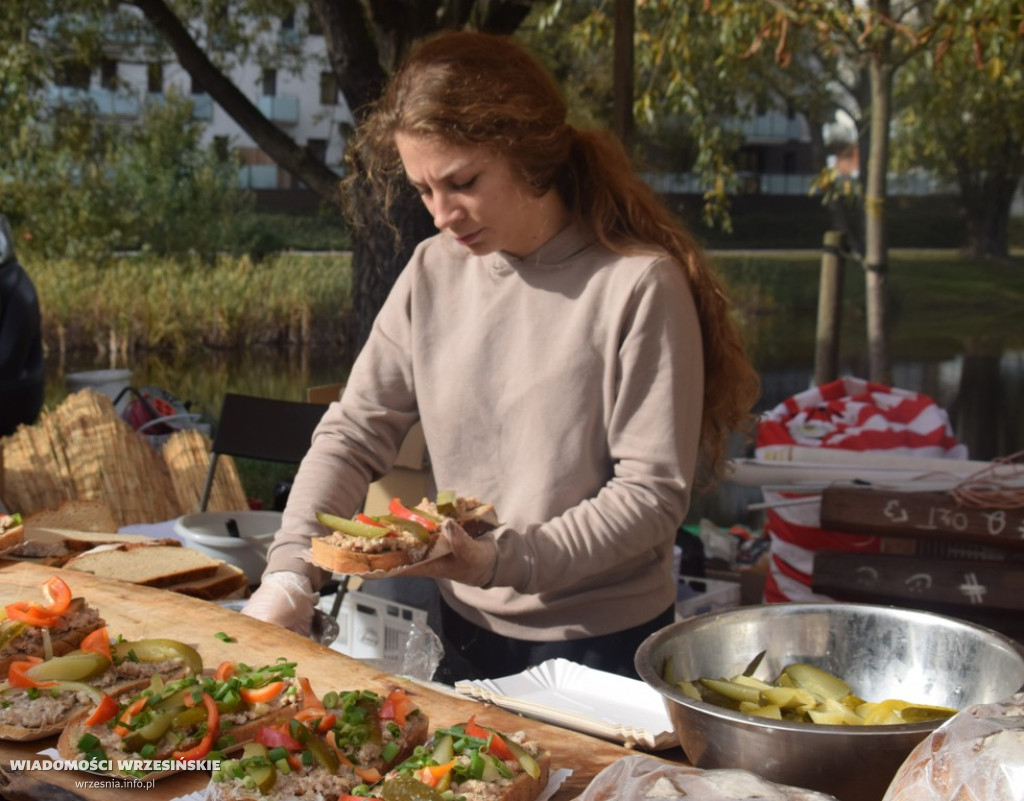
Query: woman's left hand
{"x": 470, "y": 561}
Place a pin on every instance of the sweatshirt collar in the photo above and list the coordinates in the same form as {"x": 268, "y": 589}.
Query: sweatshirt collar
{"x": 553, "y": 254}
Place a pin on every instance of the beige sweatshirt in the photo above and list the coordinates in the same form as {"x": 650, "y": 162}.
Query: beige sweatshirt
{"x": 565, "y": 388}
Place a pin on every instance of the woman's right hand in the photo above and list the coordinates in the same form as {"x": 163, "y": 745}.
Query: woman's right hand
{"x": 285, "y": 599}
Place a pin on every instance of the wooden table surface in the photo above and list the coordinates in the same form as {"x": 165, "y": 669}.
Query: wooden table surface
{"x": 136, "y": 612}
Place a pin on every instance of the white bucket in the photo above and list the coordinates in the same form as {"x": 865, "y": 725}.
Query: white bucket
{"x": 211, "y": 533}
{"x": 107, "y": 382}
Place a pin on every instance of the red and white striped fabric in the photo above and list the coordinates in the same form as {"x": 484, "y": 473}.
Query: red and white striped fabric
{"x": 848, "y": 414}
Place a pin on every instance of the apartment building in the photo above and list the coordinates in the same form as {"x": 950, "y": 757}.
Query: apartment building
{"x": 300, "y": 94}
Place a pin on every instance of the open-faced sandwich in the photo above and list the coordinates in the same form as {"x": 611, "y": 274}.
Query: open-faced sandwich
{"x": 467, "y": 761}
{"x": 12, "y": 532}
{"x": 171, "y": 725}
{"x": 40, "y": 697}
{"x": 404, "y": 536}
{"x": 33, "y": 629}
{"x": 331, "y": 746}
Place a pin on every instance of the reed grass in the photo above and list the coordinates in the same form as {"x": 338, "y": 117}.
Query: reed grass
{"x": 157, "y": 303}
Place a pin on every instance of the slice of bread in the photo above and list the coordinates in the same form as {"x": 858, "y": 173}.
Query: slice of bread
{"x": 158, "y": 565}
{"x": 226, "y": 581}
{"x": 77, "y": 515}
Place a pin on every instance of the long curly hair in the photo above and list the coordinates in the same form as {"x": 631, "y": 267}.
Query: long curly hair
{"x": 487, "y": 91}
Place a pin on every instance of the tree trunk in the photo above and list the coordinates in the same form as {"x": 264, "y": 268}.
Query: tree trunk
{"x": 271, "y": 139}
{"x": 623, "y": 77}
{"x": 876, "y": 252}
{"x": 987, "y": 210}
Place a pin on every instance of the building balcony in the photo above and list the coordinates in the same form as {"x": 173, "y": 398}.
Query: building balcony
{"x": 105, "y": 102}
{"x": 257, "y": 176}
{"x": 282, "y": 109}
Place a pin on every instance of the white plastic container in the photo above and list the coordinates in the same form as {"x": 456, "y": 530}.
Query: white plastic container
{"x": 211, "y": 533}
{"x": 107, "y": 382}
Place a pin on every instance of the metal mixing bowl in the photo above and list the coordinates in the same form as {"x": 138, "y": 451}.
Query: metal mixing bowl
{"x": 881, "y": 652}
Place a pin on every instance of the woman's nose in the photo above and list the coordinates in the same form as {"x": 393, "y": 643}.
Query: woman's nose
{"x": 446, "y": 211}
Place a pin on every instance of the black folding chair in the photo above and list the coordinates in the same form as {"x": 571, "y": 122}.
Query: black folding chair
{"x": 264, "y": 429}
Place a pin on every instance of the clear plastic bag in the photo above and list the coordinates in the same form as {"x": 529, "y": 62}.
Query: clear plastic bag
{"x": 645, "y": 778}
{"x": 977, "y": 755}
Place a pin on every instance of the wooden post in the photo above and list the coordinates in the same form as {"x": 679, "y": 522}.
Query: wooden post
{"x": 830, "y": 298}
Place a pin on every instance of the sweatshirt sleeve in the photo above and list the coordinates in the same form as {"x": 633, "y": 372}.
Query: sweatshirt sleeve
{"x": 653, "y": 437}
{"x": 357, "y": 440}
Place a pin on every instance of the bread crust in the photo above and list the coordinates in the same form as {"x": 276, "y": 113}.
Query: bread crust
{"x": 11, "y": 537}
{"x": 338, "y": 560}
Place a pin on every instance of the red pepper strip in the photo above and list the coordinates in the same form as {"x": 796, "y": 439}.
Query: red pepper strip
{"x": 98, "y": 642}
{"x": 497, "y": 746}
{"x": 327, "y": 722}
{"x": 397, "y": 706}
{"x": 32, "y": 613}
{"x": 399, "y": 510}
{"x": 368, "y": 774}
{"x": 134, "y": 708}
{"x": 212, "y": 729}
{"x": 225, "y": 670}
{"x": 104, "y": 711}
{"x": 369, "y": 521}
{"x": 58, "y": 595}
{"x": 17, "y": 674}
{"x": 432, "y": 774}
{"x": 309, "y": 698}
{"x": 261, "y": 695}
{"x": 277, "y": 737}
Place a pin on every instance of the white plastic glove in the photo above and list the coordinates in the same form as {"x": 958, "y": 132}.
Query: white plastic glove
{"x": 471, "y": 561}
{"x": 285, "y": 599}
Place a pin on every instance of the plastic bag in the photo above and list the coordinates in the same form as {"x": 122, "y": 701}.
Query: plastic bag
{"x": 977, "y": 755}
{"x": 639, "y": 778}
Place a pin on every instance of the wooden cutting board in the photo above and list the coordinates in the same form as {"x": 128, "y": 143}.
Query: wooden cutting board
{"x": 138, "y": 612}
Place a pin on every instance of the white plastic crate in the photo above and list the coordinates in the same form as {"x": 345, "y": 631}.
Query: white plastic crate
{"x": 375, "y": 628}
{"x": 692, "y": 600}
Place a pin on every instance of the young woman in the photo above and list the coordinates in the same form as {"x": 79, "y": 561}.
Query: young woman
{"x": 569, "y": 353}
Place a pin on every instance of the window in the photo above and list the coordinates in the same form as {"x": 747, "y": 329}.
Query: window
{"x": 108, "y": 74}
{"x": 328, "y": 89}
{"x": 269, "y": 83}
{"x": 313, "y": 25}
{"x": 75, "y": 74}
{"x": 317, "y": 148}
{"x": 155, "y": 78}
{"x": 221, "y": 147}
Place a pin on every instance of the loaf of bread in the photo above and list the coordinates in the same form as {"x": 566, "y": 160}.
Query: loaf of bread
{"x": 78, "y": 514}
{"x": 154, "y": 565}
{"x": 227, "y": 581}
{"x": 976, "y": 754}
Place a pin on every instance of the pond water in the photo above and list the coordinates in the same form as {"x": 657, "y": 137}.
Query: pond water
{"x": 964, "y": 349}
{"x": 981, "y": 387}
